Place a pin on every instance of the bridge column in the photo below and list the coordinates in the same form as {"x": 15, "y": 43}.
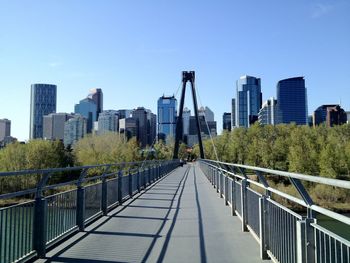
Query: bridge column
{"x": 244, "y": 205}
{"x": 40, "y": 226}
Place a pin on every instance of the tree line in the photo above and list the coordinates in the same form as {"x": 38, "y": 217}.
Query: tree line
{"x": 91, "y": 150}
{"x": 320, "y": 150}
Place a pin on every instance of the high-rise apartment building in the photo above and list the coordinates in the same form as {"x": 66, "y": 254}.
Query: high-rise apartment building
{"x": 167, "y": 112}
{"x": 233, "y": 113}
{"x": 226, "y": 121}
{"x": 146, "y": 126}
{"x": 207, "y": 113}
{"x": 248, "y": 100}
{"x": 97, "y": 96}
{"x": 208, "y": 129}
{"x": 331, "y": 114}
{"x": 54, "y": 125}
{"x": 88, "y": 109}
{"x": 124, "y": 114}
{"x": 292, "y": 100}
{"x": 5, "y": 128}
{"x": 108, "y": 121}
{"x": 127, "y": 128}
{"x": 186, "y": 114}
{"x": 42, "y": 102}
{"x": 74, "y": 130}
{"x": 269, "y": 113}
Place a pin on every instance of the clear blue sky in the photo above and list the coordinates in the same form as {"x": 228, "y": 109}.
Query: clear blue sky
{"x": 135, "y": 50}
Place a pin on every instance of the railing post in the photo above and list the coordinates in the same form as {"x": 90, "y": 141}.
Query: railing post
{"x": 233, "y": 197}
{"x": 263, "y": 224}
{"x": 40, "y": 226}
{"x": 138, "y": 180}
{"x": 226, "y": 190}
{"x": 81, "y": 208}
{"x": 217, "y": 180}
{"x": 244, "y": 205}
{"x": 104, "y": 196}
{"x": 306, "y": 247}
{"x": 130, "y": 183}
{"x": 120, "y": 187}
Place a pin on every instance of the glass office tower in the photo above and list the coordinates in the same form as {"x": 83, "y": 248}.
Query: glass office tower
{"x": 292, "y": 100}
{"x": 248, "y": 100}
{"x": 43, "y": 99}
{"x": 167, "y": 117}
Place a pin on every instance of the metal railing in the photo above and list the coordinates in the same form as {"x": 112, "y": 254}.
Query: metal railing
{"x": 29, "y": 228}
{"x": 283, "y": 235}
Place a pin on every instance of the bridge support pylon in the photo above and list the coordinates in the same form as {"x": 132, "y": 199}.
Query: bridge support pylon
{"x": 187, "y": 76}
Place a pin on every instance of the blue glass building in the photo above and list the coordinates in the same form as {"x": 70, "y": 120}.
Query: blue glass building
{"x": 43, "y": 99}
{"x": 88, "y": 109}
{"x": 167, "y": 117}
{"x": 292, "y": 100}
{"x": 248, "y": 100}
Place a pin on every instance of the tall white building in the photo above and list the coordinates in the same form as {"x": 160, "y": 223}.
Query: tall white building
{"x": 269, "y": 112}
{"x": 108, "y": 121}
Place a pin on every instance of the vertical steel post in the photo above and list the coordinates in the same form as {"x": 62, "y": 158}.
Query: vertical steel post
{"x": 130, "y": 183}
{"x": 244, "y": 205}
{"x": 263, "y": 227}
{"x": 226, "y": 190}
{"x": 104, "y": 196}
{"x": 80, "y": 208}
{"x": 120, "y": 187}
{"x": 233, "y": 198}
{"x": 40, "y": 226}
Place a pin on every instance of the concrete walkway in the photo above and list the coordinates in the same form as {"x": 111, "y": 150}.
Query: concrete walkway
{"x": 178, "y": 219}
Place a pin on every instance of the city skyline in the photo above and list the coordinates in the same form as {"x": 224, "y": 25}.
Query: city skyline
{"x": 128, "y": 51}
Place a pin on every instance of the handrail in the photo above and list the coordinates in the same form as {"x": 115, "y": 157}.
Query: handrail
{"x": 283, "y": 235}
{"x": 38, "y": 223}
{"x": 327, "y": 181}
{"x": 309, "y": 178}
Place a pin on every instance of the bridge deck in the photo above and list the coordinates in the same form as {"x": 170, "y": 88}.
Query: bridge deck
{"x": 178, "y": 219}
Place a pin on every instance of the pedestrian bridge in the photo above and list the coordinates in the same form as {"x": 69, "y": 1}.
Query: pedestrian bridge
{"x": 162, "y": 212}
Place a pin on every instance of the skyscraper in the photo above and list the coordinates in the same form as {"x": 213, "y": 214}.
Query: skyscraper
{"x": 292, "y": 100}
{"x": 186, "y": 114}
{"x": 233, "y": 113}
{"x": 226, "y": 121}
{"x": 97, "y": 96}
{"x": 167, "y": 113}
{"x": 331, "y": 114}
{"x": 108, "y": 121}
{"x": 146, "y": 126}
{"x": 42, "y": 102}
{"x": 54, "y": 125}
{"x": 207, "y": 113}
{"x": 74, "y": 130}
{"x": 5, "y": 128}
{"x": 269, "y": 112}
{"x": 248, "y": 100}
{"x": 88, "y": 109}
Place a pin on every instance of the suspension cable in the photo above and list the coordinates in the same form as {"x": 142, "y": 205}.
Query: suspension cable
{"x": 205, "y": 119}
